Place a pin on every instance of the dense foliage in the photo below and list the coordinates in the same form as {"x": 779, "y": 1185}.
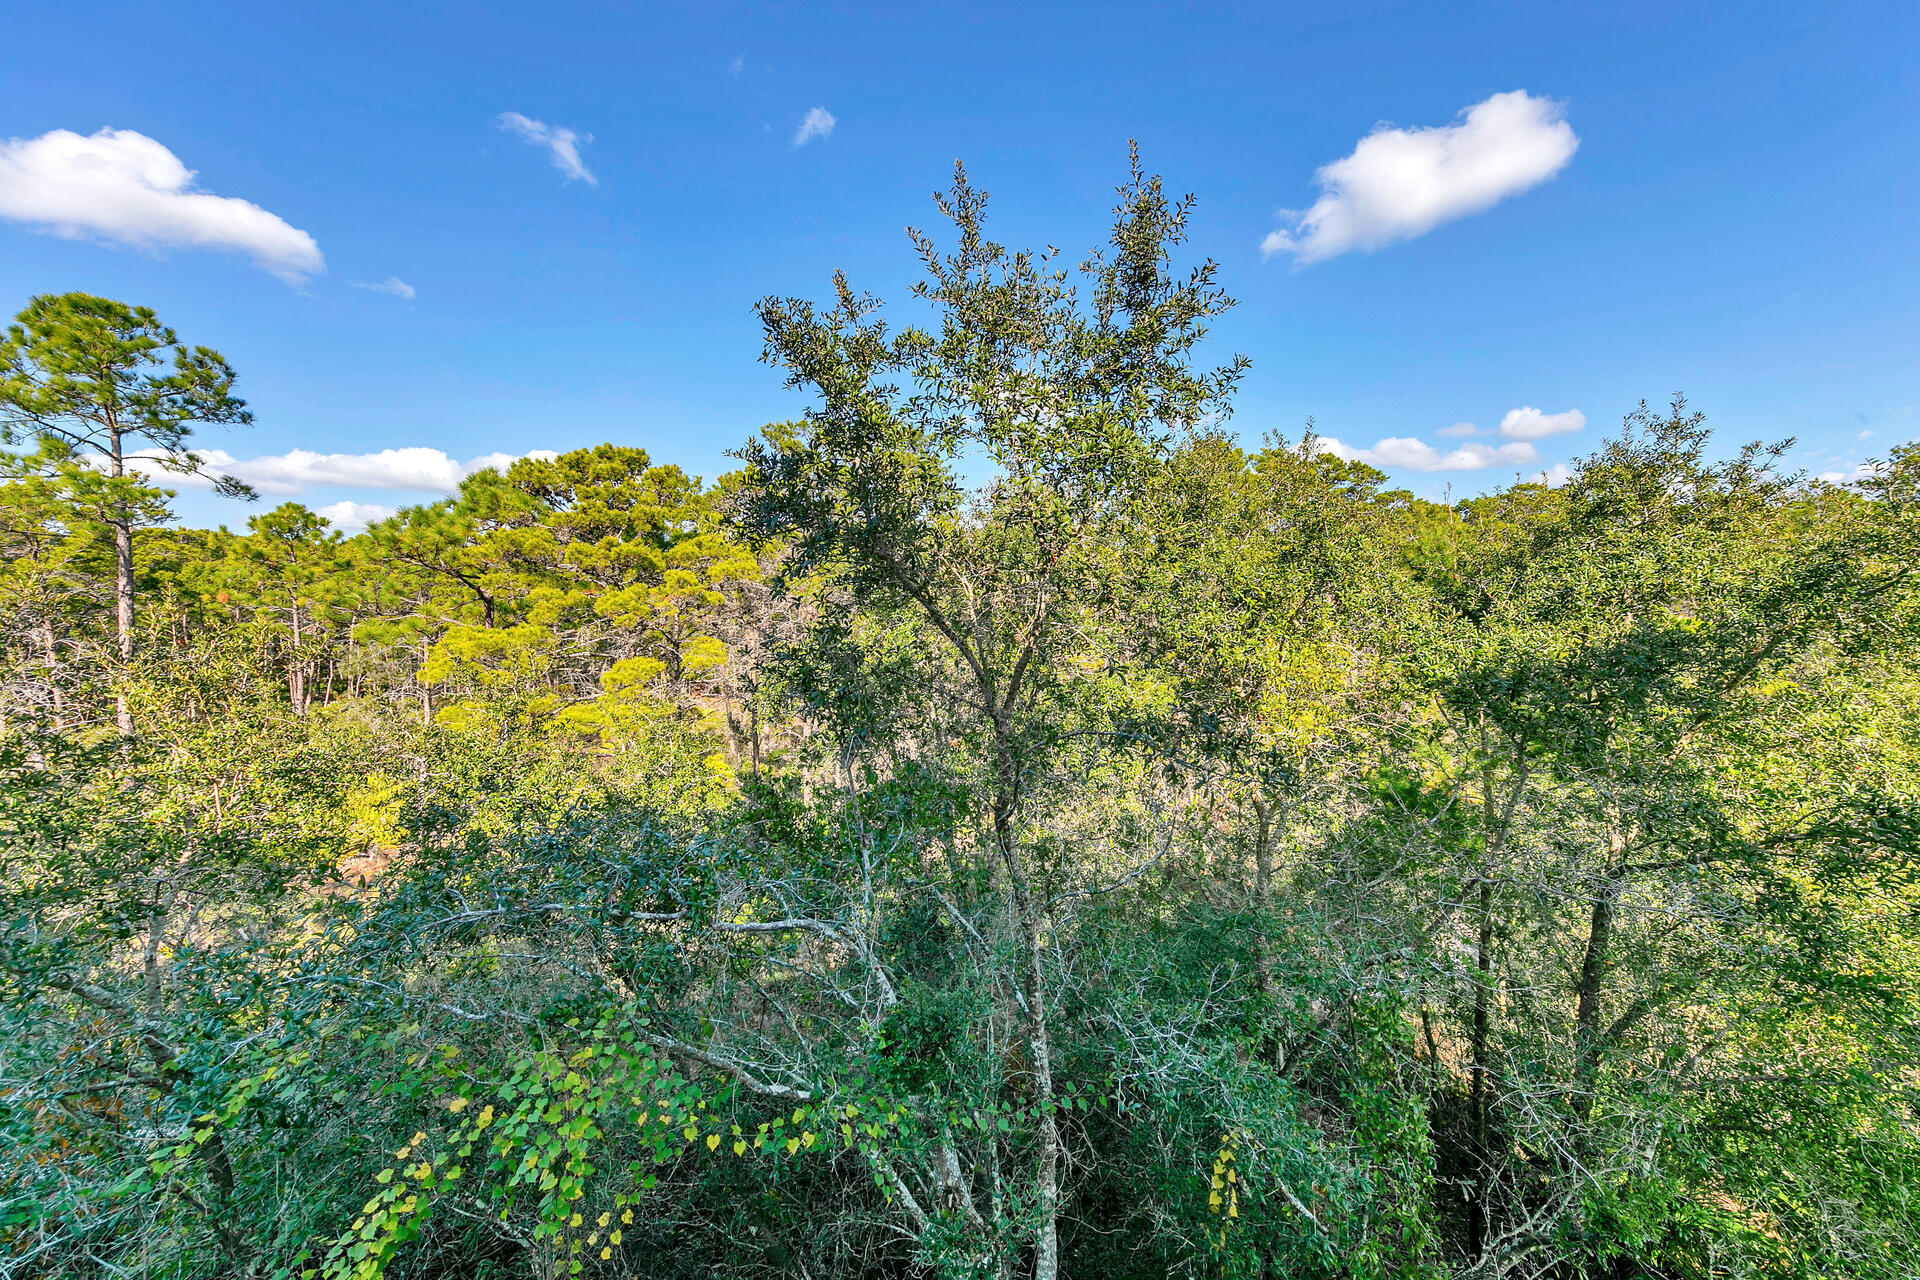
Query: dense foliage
{"x": 1004, "y": 828}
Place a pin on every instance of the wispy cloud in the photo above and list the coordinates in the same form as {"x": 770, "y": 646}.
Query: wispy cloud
{"x": 1459, "y": 429}
{"x": 125, "y": 188}
{"x": 1401, "y": 183}
{"x": 818, "y": 123}
{"x": 1410, "y": 453}
{"x": 392, "y": 286}
{"x": 1528, "y": 423}
{"x": 291, "y": 474}
{"x": 736, "y": 64}
{"x": 562, "y": 144}
{"x": 352, "y": 517}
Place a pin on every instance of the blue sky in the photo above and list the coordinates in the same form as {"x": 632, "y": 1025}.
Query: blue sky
{"x": 1718, "y": 199}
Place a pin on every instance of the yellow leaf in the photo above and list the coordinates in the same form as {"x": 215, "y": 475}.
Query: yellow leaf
{"x": 602, "y": 1221}
{"x": 690, "y": 1133}
{"x": 605, "y": 1254}
{"x": 457, "y": 1105}
{"x": 614, "y": 1238}
{"x": 627, "y": 1217}
{"x": 739, "y": 1148}
{"x": 713, "y": 1142}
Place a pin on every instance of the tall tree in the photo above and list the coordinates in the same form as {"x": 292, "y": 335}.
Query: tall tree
{"x": 81, "y": 376}
{"x": 1075, "y": 403}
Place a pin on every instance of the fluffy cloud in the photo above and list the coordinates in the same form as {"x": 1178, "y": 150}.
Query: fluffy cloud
{"x": 392, "y": 286}
{"x": 819, "y": 123}
{"x": 563, "y": 145}
{"x": 123, "y": 187}
{"x": 352, "y": 517}
{"x": 1528, "y": 423}
{"x": 1401, "y": 183}
{"x": 1410, "y": 453}
{"x": 290, "y": 474}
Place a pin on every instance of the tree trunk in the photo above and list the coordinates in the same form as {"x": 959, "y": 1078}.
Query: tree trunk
{"x": 1046, "y": 1251}
{"x": 1589, "y": 1039}
{"x": 296, "y": 666}
{"x": 56, "y": 700}
{"x": 1482, "y": 1019}
{"x": 1263, "y": 888}
{"x": 1593, "y": 970}
{"x": 1046, "y": 1245}
{"x": 122, "y": 586}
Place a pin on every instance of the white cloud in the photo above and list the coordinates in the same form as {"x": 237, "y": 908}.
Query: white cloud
{"x": 819, "y": 123}
{"x": 1459, "y": 429}
{"x": 563, "y": 145}
{"x": 1556, "y": 475}
{"x": 123, "y": 187}
{"x": 1401, "y": 183}
{"x": 352, "y": 517}
{"x": 1409, "y": 453}
{"x": 736, "y": 64}
{"x": 1528, "y": 423}
{"x": 393, "y": 286}
{"x": 290, "y": 474}
{"x": 1861, "y": 471}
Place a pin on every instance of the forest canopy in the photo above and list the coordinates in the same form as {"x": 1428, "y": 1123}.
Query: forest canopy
{"x": 1009, "y": 826}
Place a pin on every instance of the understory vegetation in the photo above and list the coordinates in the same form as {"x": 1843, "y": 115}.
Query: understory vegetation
{"x": 1010, "y": 825}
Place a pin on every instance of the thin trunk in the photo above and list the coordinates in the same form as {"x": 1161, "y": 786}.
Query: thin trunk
{"x": 122, "y": 583}
{"x": 1593, "y": 969}
{"x": 1589, "y": 1039}
{"x": 1046, "y": 1248}
{"x": 1046, "y": 1252}
{"x": 157, "y": 915}
{"x": 56, "y": 699}
{"x": 1263, "y": 888}
{"x": 1482, "y": 1018}
{"x": 1433, "y": 1045}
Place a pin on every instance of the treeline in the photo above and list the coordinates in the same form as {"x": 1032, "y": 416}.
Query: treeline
{"x": 1006, "y": 827}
